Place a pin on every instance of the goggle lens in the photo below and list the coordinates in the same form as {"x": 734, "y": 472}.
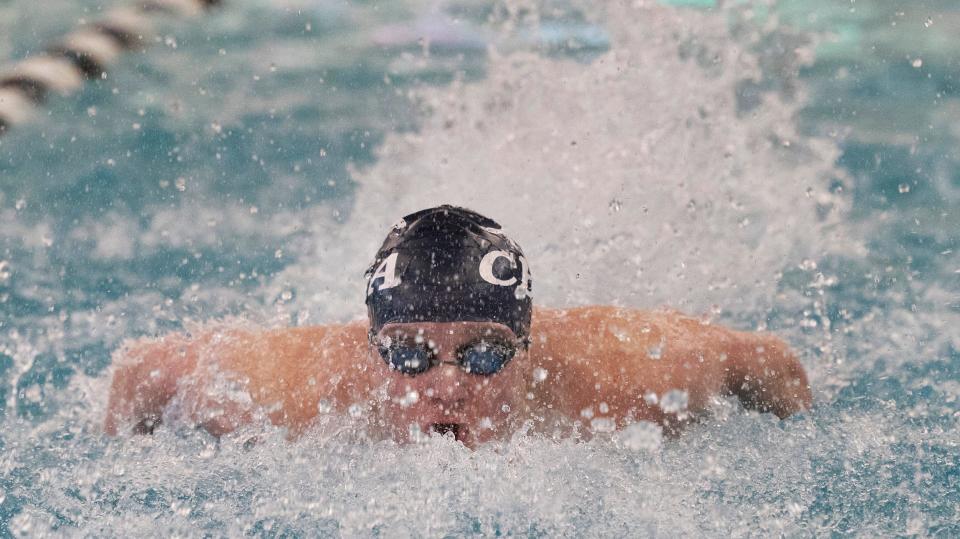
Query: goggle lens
{"x": 407, "y": 359}
{"x": 481, "y": 357}
{"x": 485, "y": 358}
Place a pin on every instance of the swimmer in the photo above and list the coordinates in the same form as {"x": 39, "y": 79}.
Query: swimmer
{"x": 453, "y": 345}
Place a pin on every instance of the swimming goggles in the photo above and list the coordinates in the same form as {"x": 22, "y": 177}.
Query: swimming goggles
{"x": 483, "y": 356}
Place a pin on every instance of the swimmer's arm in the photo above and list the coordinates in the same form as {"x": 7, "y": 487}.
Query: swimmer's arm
{"x": 286, "y": 371}
{"x": 765, "y": 375}
{"x": 151, "y": 373}
{"x": 145, "y": 380}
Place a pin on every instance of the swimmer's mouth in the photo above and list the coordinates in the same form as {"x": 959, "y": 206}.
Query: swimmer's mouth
{"x": 443, "y": 429}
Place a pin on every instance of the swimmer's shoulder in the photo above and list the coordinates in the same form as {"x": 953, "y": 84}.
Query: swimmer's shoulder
{"x": 581, "y": 334}
{"x": 584, "y": 334}
{"x": 308, "y": 340}
{"x": 597, "y": 318}
{"x": 269, "y": 353}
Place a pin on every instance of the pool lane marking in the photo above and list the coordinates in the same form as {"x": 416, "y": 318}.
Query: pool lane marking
{"x": 38, "y": 75}
{"x": 85, "y": 53}
{"x": 15, "y": 106}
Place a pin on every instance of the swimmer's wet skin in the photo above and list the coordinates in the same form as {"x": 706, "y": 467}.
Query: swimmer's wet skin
{"x": 455, "y": 347}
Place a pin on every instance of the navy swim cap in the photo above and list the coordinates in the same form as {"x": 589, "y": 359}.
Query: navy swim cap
{"x": 449, "y": 264}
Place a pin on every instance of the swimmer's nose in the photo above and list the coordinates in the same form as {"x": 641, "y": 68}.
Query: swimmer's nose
{"x": 445, "y": 354}
{"x": 447, "y": 380}
{"x": 448, "y": 384}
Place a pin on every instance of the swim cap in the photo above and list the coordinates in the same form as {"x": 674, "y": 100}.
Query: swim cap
{"x": 449, "y": 264}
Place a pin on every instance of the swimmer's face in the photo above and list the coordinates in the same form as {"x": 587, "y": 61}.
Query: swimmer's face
{"x": 446, "y": 398}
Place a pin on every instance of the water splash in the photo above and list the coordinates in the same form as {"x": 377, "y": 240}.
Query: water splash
{"x": 713, "y": 203}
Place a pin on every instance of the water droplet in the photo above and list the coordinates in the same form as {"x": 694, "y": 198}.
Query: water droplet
{"x": 650, "y": 398}
{"x": 520, "y": 292}
{"x": 32, "y": 394}
{"x": 903, "y": 188}
{"x": 411, "y": 398}
{"x": 587, "y": 413}
{"x": 182, "y": 510}
{"x": 603, "y": 424}
{"x": 642, "y": 436}
{"x": 505, "y": 408}
{"x": 656, "y": 351}
{"x": 207, "y": 452}
{"x": 540, "y": 374}
{"x": 917, "y": 63}
{"x": 675, "y": 401}
{"x": 928, "y": 23}
{"x": 416, "y": 435}
{"x": 621, "y": 334}
{"x": 604, "y": 408}
{"x": 324, "y": 406}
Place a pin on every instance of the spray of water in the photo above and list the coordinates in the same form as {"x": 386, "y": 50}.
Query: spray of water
{"x": 635, "y": 179}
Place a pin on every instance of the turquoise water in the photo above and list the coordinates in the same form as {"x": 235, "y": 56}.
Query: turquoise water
{"x": 788, "y": 166}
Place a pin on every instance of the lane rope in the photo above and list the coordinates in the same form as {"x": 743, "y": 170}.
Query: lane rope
{"x": 84, "y": 54}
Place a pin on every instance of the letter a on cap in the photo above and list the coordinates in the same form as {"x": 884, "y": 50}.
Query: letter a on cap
{"x": 388, "y": 270}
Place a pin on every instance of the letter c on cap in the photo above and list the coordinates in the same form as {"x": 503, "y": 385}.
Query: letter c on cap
{"x": 486, "y": 268}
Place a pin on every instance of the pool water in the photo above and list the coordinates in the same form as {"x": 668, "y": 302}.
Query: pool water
{"x": 787, "y": 166}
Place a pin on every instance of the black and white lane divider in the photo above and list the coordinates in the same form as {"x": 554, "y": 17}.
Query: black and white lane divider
{"x": 85, "y": 53}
